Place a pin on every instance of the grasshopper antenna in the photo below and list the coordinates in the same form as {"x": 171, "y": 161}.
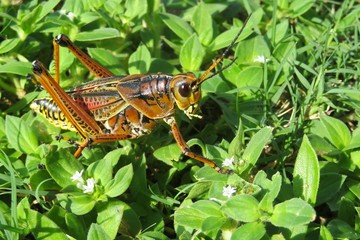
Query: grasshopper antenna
{"x": 217, "y": 61}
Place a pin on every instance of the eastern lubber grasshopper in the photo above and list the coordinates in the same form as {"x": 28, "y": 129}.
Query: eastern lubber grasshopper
{"x": 115, "y": 108}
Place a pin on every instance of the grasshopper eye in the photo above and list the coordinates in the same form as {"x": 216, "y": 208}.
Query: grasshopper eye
{"x": 185, "y": 90}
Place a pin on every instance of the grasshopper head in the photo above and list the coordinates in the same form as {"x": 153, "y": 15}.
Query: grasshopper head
{"x": 186, "y": 87}
{"x": 187, "y": 94}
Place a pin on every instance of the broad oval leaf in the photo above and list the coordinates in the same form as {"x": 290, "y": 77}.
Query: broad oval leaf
{"x": 242, "y": 208}
{"x": 330, "y": 185}
{"x": 306, "y": 173}
{"x": 338, "y": 133}
{"x": 140, "y": 60}
{"x": 108, "y": 60}
{"x": 109, "y": 216}
{"x": 78, "y": 204}
{"x": 121, "y": 181}
{"x": 20, "y": 136}
{"x": 96, "y": 232}
{"x": 179, "y": 26}
{"x": 42, "y": 226}
{"x": 194, "y": 215}
{"x": 61, "y": 166}
{"x": 202, "y": 22}
{"x": 168, "y": 153}
{"x": 292, "y": 213}
{"x": 191, "y": 54}
{"x": 136, "y": 8}
{"x": 247, "y": 51}
{"x": 249, "y": 231}
{"x": 100, "y": 170}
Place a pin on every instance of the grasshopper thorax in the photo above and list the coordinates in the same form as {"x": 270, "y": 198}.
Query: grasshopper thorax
{"x": 186, "y": 93}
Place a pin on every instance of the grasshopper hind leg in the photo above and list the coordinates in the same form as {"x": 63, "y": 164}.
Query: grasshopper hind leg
{"x": 185, "y": 149}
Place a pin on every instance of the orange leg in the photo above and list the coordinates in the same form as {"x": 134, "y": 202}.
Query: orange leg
{"x": 96, "y": 68}
{"x": 186, "y": 150}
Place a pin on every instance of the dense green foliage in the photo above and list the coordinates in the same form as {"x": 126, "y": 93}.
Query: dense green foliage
{"x": 286, "y": 112}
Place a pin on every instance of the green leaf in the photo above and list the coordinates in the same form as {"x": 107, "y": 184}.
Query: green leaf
{"x": 42, "y": 227}
{"x": 168, "y": 153}
{"x": 180, "y": 27}
{"x": 47, "y": 7}
{"x": 202, "y": 22}
{"x": 292, "y": 213}
{"x": 347, "y": 210}
{"x": 249, "y": 79}
{"x": 320, "y": 144}
{"x": 325, "y": 233}
{"x": 224, "y": 39}
{"x": 79, "y": 204}
{"x": 255, "y": 147}
{"x": 98, "y": 34}
{"x": 153, "y": 235}
{"x": 337, "y": 132}
{"x": 191, "y": 54}
{"x": 355, "y": 140}
{"x": 272, "y": 188}
{"x": 354, "y": 187}
{"x": 194, "y": 215}
{"x": 20, "y": 136}
{"x": 306, "y": 173}
{"x": 237, "y": 144}
{"x": 342, "y": 230}
{"x": 121, "y": 182}
{"x": 61, "y": 166}
{"x": 248, "y": 50}
{"x": 75, "y": 225}
{"x": 330, "y": 185}
{"x": 96, "y": 232}
{"x": 162, "y": 66}
{"x": 86, "y": 17}
{"x": 107, "y": 59}
{"x": 19, "y": 68}
{"x": 22, "y": 103}
{"x": 198, "y": 190}
{"x": 8, "y": 44}
{"x": 212, "y": 224}
{"x": 249, "y": 231}
{"x": 135, "y": 8}
{"x": 130, "y": 224}
{"x": 242, "y": 208}
{"x": 109, "y": 216}
{"x": 299, "y": 7}
{"x": 140, "y": 60}
{"x": 100, "y": 170}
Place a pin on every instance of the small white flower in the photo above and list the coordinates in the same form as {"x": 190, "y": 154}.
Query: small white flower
{"x": 62, "y": 11}
{"x": 71, "y": 16}
{"x": 78, "y": 177}
{"x": 90, "y": 185}
{"x": 261, "y": 59}
{"x": 228, "y": 162}
{"x": 228, "y": 191}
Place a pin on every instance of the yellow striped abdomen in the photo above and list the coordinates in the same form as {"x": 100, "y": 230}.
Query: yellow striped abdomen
{"x": 49, "y": 109}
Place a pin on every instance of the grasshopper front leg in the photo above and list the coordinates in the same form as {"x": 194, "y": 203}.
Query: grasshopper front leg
{"x": 185, "y": 149}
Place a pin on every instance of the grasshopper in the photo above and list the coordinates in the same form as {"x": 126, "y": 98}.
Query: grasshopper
{"x": 114, "y": 108}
